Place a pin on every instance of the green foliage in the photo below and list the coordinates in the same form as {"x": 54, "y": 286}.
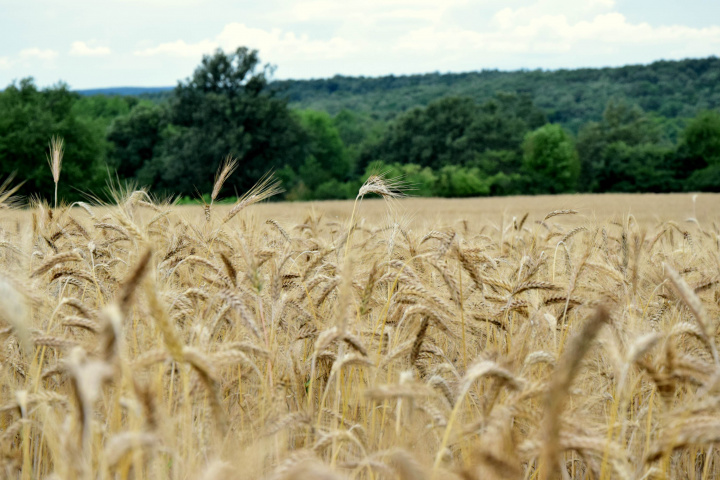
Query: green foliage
{"x": 704, "y": 180}
{"x": 639, "y": 168}
{"x": 570, "y": 97}
{"x": 102, "y": 109}
{"x": 432, "y": 136}
{"x": 418, "y": 181}
{"x": 484, "y": 133}
{"x": 226, "y": 108}
{"x": 457, "y": 131}
{"x": 135, "y": 138}
{"x": 701, "y": 137}
{"x": 357, "y": 131}
{"x": 700, "y": 152}
{"x": 29, "y": 118}
{"x": 326, "y": 155}
{"x": 335, "y": 189}
{"x": 449, "y": 181}
{"x": 550, "y": 160}
{"x": 457, "y": 181}
{"x": 621, "y": 122}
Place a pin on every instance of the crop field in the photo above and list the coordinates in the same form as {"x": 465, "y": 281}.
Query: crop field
{"x": 501, "y": 338}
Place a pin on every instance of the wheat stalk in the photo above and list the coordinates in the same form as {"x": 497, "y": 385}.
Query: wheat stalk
{"x": 54, "y": 159}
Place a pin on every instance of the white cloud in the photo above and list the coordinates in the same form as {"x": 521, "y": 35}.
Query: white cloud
{"x": 179, "y": 48}
{"x": 82, "y": 49}
{"x": 573, "y": 10}
{"x": 550, "y": 33}
{"x": 273, "y": 44}
{"x": 37, "y": 53}
{"x": 5, "y": 63}
{"x": 279, "y": 45}
{"x": 367, "y": 11}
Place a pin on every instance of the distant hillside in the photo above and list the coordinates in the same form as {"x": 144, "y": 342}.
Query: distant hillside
{"x": 570, "y": 97}
{"x": 125, "y": 91}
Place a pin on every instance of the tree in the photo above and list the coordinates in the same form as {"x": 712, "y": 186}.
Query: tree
{"x": 30, "y": 117}
{"x": 135, "y": 138}
{"x": 430, "y": 137}
{"x": 550, "y": 160}
{"x": 701, "y": 137}
{"x": 357, "y": 131}
{"x": 457, "y": 181}
{"x": 621, "y": 122}
{"x": 457, "y": 131}
{"x": 227, "y": 108}
{"x": 326, "y": 157}
{"x": 503, "y": 121}
{"x": 700, "y": 152}
{"x": 646, "y": 167}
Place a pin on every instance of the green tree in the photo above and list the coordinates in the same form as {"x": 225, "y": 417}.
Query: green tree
{"x": 326, "y": 156}
{"x": 621, "y": 122}
{"x": 700, "y": 152}
{"x": 701, "y": 137}
{"x": 550, "y": 160}
{"x": 357, "y": 131}
{"x": 430, "y": 137}
{"x": 457, "y": 131}
{"x": 227, "y": 108}
{"x": 646, "y": 167}
{"x": 103, "y": 109}
{"x": 30, "y": 117}
{"x": 457, "y": 181}
{"x": 135, "y": 138}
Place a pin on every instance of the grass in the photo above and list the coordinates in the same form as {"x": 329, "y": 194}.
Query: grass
{"x": 490, "y": 338}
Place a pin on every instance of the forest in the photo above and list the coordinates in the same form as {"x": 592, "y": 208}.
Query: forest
{"x": 653, "y": 128}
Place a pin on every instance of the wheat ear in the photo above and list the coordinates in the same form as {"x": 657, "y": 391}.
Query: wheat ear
{"x": 57, "y": 148}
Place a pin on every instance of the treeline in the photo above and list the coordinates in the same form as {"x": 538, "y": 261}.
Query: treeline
{"x": 509, "y": 142}
{"x": 568, "y": 97}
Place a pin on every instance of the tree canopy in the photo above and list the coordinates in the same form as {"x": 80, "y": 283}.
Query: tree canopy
{"x": 29, "y": 117}
{"x": 550, "y": 160}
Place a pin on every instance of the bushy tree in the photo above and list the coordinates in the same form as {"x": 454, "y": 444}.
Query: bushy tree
{"x": 430, "y": 137}
{"x": 357, "y": 130}
{"x": 701, "y": 137}
{"x": 325, "y": 154}
{"x": 646, "y": 167}
{"x": 458, "y": 131}
{"x": 550, "y": 160}
{"x": 621, "y": 122}
{"x": 29, "y": 117}
{"x": 458, "y": 181}
{"x": 227, "y": 108}
{"x": 135, "y": 139}
{"x": 700, "y": 152}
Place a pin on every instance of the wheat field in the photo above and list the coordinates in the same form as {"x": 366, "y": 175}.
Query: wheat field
{"x": 509, "y": 338}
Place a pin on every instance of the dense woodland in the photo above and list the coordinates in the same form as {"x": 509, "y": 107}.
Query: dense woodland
{"x": 652, "y": 128}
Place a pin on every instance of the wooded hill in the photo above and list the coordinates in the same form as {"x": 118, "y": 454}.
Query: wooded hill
{"x": 572, "y": 98}
{"x": 569, "y": 97}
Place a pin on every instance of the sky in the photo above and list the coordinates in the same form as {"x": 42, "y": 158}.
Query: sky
{"x": 110, "y": 43}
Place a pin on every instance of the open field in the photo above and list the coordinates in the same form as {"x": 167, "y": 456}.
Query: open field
{"x": 435, "y": 339}
{"x": 426, "y": 213}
